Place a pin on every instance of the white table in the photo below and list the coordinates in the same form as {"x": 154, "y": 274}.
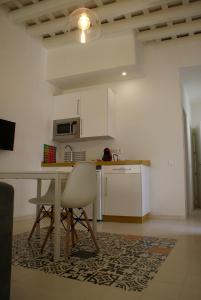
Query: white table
{"x": 49, "y": 175}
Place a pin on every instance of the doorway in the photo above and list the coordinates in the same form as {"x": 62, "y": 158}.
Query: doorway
{"x": 191, "y": 101}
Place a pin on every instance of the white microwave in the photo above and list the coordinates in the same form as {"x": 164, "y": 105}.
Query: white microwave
{"x": 66, "y": 129}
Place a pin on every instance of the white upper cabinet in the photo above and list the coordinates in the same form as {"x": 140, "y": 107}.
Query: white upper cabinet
{"x": 66, "y": 106}
{"x": 94, "y": 113}
{"x": 95, "y": 107}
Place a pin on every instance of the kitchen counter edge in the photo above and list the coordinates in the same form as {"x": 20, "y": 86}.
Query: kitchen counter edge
{"x": 100, "y": 163}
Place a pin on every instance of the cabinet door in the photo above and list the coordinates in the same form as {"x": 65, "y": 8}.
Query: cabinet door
{"x": 94, "y": 104}
{"x": 66, "y": 106}
{"x": 122, "y": 194}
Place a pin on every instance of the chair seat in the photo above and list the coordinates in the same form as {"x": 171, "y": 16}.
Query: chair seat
{"x": 48, "y": 198}
{"x": 42, "y": 201}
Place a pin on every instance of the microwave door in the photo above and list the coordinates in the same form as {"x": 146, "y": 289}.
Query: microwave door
{"x": 64, "y": 129}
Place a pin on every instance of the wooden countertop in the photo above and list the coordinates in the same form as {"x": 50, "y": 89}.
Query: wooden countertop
{"x": 100, "y": 163}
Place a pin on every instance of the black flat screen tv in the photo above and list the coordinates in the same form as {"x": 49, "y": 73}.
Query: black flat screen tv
{"x": 7, "y": 135}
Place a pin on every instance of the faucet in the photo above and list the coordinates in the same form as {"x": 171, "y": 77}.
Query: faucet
{"x": 115, "y": 157}
{"x": 71, "y": 151}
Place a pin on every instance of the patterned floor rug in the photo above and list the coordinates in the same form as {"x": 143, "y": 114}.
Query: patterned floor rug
{"x": 124, "y": 261}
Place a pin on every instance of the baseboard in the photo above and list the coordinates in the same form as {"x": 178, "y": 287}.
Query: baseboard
{"x": 125, "y": 219}
{"x": 166, "y": 217}
{"x": 121, "y": 219}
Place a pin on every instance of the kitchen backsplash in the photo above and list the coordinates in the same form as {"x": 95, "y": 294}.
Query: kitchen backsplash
{"x": 94, "y": 149}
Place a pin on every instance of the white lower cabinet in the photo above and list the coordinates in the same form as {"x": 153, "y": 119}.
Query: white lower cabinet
{"x": 125, "y": 192}
{"x": 122, "y": 192}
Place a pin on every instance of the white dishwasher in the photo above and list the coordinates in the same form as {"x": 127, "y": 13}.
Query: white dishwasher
{"x": 125, "y": 192}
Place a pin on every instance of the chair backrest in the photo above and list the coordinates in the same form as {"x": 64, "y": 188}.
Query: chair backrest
{"x": 80, "y": 189}
{"x": 50, "y": 192}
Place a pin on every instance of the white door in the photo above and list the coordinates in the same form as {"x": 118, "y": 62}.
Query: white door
{"x": 122, "y": 194}
{"x": 94, "y": 113}
{"x": 66, "y": 106}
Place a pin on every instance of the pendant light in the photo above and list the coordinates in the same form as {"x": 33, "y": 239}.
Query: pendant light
{"x": 85, "y": 23}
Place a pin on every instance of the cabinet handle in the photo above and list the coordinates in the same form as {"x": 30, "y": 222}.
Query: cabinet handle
{"x": 78, "y": 106}
{"x": 106, "y": 186}
{"x": 122, "y": 169}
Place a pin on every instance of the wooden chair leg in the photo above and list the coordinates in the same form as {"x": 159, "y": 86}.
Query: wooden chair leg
{"x": 91, "y": 230}
{"x": 50, "y": 229}
{"x": 35, "y": 223}
{"x": 72, "y": 231}
{"x": 68, "y": 227}
{"x": 51, "y": 217}
{"x": 74, "y": 235}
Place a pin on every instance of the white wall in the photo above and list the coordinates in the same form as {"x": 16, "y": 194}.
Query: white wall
{"x": 25, "y": 98}
{"x": 150, "y": 123}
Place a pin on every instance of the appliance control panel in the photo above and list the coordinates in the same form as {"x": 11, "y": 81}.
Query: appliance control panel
{"x": 133, "y": 169}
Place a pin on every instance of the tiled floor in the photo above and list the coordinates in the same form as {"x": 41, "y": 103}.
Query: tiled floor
{"x": 178, "y": 278}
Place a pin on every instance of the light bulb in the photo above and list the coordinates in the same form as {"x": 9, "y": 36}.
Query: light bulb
{"x": 123, "y": 73}
{"x": 82, "y": 37}
{"x": 84, "y": 22}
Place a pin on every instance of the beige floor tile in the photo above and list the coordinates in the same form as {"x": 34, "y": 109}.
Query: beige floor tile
{"x": 191, "y": 288}
{"x": 179, "y": 278}
{"x": 162, "y": 291}
{"x": 173, "y": 276}
{"x": 191, "y": 292}
{"x": 195, "y": 268}
{"x": 19, "y": 292}
{"x": 193, "y": 282}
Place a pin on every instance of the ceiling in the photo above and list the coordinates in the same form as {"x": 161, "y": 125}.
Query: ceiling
{"x": 153, "y": 20}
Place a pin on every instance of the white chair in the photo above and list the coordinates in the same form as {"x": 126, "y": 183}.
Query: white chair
{"x": 46, "y": 203}
{"x": 80, "y": 191}
{"x": 77, "y": 192}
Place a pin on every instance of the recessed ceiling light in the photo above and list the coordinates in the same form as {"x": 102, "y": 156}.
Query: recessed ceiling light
{"x": 124, "y": 73}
